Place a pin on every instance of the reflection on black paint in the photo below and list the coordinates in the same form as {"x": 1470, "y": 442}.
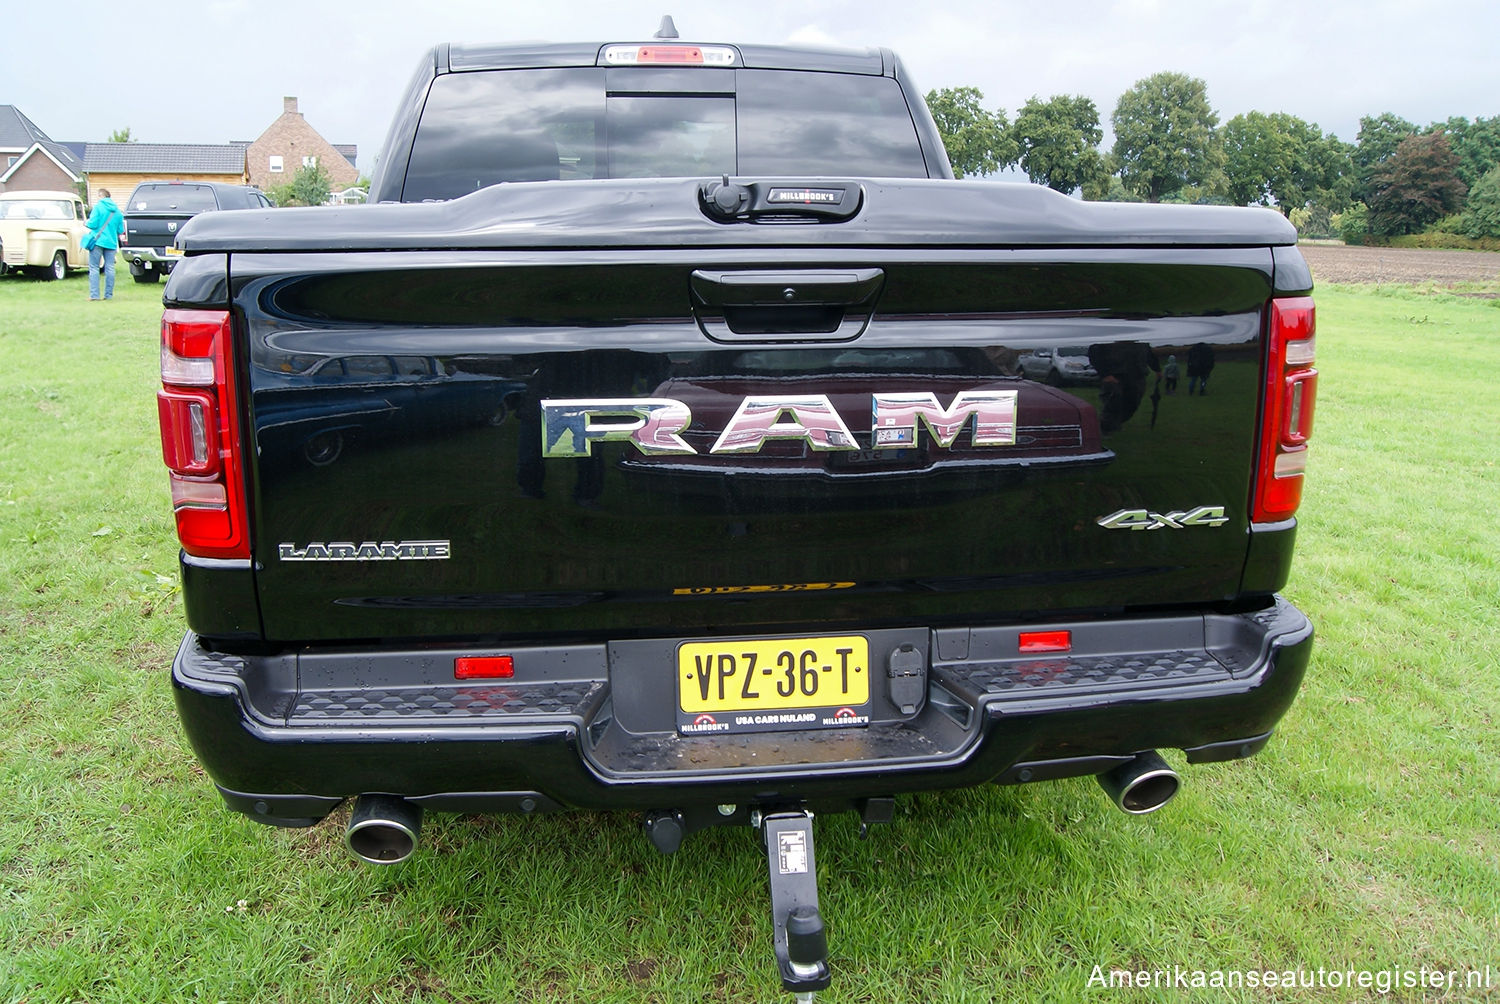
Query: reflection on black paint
{"x": 1124, "y": 369}
{"x": 597, "y": 374}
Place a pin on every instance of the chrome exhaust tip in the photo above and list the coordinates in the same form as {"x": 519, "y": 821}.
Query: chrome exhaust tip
{"x": 383, "y": 829}
{"x": 1141, "y": 785}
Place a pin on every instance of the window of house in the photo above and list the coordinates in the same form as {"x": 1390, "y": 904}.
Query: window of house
{"x": 276, "y": 167}
{"x": 309, "y": 161}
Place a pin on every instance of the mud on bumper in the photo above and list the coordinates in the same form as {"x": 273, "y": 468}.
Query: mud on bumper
{"x": 287, "y": 737}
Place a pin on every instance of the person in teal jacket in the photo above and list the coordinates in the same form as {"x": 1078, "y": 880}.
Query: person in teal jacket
{"x": 105, "y": 224}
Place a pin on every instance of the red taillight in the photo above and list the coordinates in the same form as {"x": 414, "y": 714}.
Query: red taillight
{"x": 1287, "y": 410}
{"x": 1046, "y": 641}
{"x": 491, "y": 667}
{"x": 200, "y": 434}
{"x": 188, "y": 443}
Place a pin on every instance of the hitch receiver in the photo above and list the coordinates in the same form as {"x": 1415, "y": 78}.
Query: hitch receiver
{"x": 800, "y": 939}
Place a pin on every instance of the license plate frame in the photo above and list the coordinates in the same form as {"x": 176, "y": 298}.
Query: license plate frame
{"x": 772, "y": 684}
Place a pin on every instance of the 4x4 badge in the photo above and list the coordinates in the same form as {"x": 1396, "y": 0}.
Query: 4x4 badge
{"x": 1144, "y": 519}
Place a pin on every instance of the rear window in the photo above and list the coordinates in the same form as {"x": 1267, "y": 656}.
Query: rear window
{"x": 172, "y": 199}
{"x": 489, "y": 127}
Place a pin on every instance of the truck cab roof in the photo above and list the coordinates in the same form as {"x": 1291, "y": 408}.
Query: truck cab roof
{"x": 457, "y": 58}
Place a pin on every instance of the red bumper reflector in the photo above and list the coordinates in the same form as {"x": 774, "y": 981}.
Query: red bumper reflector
{"x": 490, "y": 667}
{"x": 1046, "y": 641}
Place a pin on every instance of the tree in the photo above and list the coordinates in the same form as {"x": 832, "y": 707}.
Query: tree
{"x": 1331, "y": 173}
{"x": 1416, "y": 186}
{"x": 1164, "y": 136}
{"x": 978, "y": 142}
{"x": 1379, "y": 136}
{"x": 1262, "y": 156}
{"x": 1058, "y": 141}
{"x": 1107, "y": 186}
{"x": 1377, "y": 141}
{"x": 1280, "y": 160}
{"x": 1477, "y": 145}
{"x": 310, "y": 186}
{"x": 1482, "y": 217}
{"x": 121, "y": 136}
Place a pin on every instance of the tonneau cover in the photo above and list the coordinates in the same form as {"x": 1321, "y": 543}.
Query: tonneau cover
{"x": 665, "y": 213}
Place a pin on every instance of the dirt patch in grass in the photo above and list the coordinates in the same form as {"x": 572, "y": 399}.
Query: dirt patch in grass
{"x": 642, "y": 970}
{"x": 1340, "y": 263}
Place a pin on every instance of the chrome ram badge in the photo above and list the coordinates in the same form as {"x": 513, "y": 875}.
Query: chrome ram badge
{"x": 571, "y": 428}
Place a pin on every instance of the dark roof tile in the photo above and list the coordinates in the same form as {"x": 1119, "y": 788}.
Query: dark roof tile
{"x": 17, "y": 132}
{"x": 186, "y": 158}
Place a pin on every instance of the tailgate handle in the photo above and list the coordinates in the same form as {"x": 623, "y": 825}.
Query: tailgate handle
{"x": 833, "y": 305}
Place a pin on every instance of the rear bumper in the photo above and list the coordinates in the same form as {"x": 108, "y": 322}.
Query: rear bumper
{"x": 287, "y": 737}
{"x": 150, "y": 258}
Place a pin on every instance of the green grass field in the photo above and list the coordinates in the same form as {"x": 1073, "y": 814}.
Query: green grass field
{"x": 1366, "y": 837}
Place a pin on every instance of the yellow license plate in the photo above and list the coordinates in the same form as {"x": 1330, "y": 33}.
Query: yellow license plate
{"x": 174, "y": 252}
{"x": 772, "y": 674}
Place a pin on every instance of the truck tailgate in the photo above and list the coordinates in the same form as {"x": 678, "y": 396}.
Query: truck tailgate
{"x": 158, "y": 232}
{"x": 441, "y": 445}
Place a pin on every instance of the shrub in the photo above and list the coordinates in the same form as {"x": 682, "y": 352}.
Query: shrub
{"x": 1107, "y": 189}
{"x": 309, "y": 187}
{"x": 1450, "y": 242}
{"x": 1454, "y": 223}
{"x": 1354, "y": 224}
{"x": 1320, "y": 221}
{"x": 280, "y": 195}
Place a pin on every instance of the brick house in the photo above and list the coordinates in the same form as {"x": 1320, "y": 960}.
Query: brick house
{"x": 119, "y": 167}
{"x": 289, "y": 143}
{"x": 30, "y": 160}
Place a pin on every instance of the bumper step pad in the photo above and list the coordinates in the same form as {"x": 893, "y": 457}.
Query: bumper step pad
{"x": 445, "y": 704}
{"x": 1110, "y": 674}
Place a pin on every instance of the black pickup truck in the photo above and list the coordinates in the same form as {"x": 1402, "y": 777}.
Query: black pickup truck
{"x": 686, "y": 466}
{"x": 157, "y": 209}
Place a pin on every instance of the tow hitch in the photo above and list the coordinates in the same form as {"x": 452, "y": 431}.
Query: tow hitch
{"x": 799, "y": 938}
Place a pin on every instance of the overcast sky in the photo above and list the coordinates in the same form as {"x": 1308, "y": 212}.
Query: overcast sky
{"x": 212, "y": 71}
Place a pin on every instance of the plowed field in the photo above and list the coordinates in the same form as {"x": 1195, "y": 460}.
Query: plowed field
{"x": 1338, "y": 263}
